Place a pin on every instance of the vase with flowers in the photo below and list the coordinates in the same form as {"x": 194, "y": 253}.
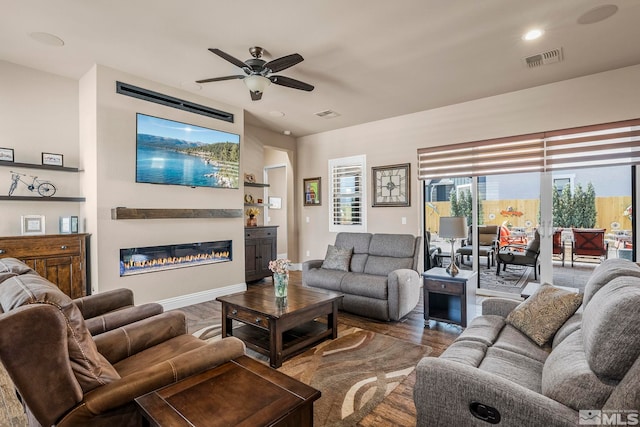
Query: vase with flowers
{"x": 252, "y": 213}
{"x": 280, "y": 269}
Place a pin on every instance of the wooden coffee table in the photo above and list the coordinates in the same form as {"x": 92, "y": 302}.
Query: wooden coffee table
{"x": 277, "y": 329}
{"x": 242, "y": 392}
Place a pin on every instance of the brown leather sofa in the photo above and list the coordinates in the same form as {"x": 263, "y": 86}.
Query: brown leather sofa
{"x": 102, "y": 312}
{"x": 67, "y": 377}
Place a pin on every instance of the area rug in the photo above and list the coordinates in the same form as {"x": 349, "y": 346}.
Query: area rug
{"x": 354, "y": 373}
{"x": 512, "y": 281}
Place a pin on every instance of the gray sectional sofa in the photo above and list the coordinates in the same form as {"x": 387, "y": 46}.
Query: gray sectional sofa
{"x": 380, "y": 279}
{"x": 591, "y": 363}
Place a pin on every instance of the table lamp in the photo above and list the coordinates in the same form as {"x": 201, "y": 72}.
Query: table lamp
{"x": 452, "y": 228}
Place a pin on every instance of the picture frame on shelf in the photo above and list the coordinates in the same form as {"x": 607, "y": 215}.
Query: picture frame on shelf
{"x": 391, "y": 185}
{"x": 312, "y": 191}
{"x": 74, "y": 224}
{"x": 52, "y": 159}
{"x": 6, "y": 154}
{"x": 64, "y": 225}
{"x": 275, "y": 202}
{"x": 32, "y": 224}
{"x": 250, "y": 178}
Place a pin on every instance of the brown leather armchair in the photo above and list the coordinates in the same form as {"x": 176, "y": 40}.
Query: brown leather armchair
{"x": 103, "y": 311}
{"x": 589, "y": 243}
{"x": 66, "y": 377}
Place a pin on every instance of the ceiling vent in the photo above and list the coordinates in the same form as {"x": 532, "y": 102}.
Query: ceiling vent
{"x": 545, "y": 58}
{"x": 327, "y": 114}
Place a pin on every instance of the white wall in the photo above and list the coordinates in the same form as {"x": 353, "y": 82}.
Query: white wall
{"x": 109, "y": 145}
{"x": 598, "y": 98}
{"x": 38, "y": 113}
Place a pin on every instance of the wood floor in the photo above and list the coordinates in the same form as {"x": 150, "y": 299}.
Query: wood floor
{"x": 397, "y": 409}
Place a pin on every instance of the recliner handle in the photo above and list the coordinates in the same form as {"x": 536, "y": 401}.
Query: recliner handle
{"x": 484, "y": 412}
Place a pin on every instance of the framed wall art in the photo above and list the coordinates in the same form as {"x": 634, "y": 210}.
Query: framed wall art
{"x": 32, "y": 224}
{"x": 392, "y": 185}
{"x": 52, "y": 159}
{"x": 6, "y": 154}
{"x": 312, "y": 190}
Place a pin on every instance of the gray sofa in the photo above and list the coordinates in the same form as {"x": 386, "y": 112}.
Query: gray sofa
{"x": 380, "y": 280}
{"x": 591, "y": 363}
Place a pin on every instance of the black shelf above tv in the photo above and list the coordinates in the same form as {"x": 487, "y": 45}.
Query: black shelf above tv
{"x": 35, "y": 166}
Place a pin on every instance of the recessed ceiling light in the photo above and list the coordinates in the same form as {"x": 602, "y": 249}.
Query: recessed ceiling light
{"x": 276, "y": 113}
{"x": 287, "y": 132}
{"x": 533, "y": 34}
{"x": 48, "y": 39}
{"x": 597, "y": 14}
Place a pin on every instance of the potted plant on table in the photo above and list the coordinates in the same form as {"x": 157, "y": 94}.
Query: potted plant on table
{"x": 280, "y": 269}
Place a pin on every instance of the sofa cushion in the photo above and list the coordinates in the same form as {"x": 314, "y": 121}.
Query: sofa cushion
{"x": 466, "y": 352}
{"x": 484, "y": 329}
{"x": 325, "y": 279}
{"x": 393, "y": 245}
{"x": 365, "y": 285}
{"x": 570, "y": 326}
{"x": 10, "y": 267}
{"x": 607, "y": 271}
{"x": 611, "y": 328}
{"x": 542, "y": 314}
{"x": 383, "y": 265}
{"x": 567, "y": 378}
{"x": 90, "y": 368}
{"x": 337, "y": 258}
{"x": 511, "y": 339}
{"x": 514, "y": 367}
{"x": 360, "y": 244}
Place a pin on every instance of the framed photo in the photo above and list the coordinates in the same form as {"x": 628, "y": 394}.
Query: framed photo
{"x": 250, "y": 178}
{"x": 52, "y": 159}
{"x": 312, "y": 191}
{"x": 74, "y": 224}
{"x": 275, "y": 202}
{"x": 6, "y": 154}
{"x": 32, "y": 224}
{"x": 65, "y": 225}
{"x": 392, "y": 185}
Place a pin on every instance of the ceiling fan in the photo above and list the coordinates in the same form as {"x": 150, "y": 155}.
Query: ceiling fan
{"x": 259, "y": 72}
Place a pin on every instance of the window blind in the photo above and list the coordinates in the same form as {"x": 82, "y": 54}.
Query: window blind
{"x": 615, "y": 143}
{"x": 347, "y": 194}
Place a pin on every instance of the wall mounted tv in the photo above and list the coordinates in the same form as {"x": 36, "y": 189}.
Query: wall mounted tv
{"x": 170, "y": 152}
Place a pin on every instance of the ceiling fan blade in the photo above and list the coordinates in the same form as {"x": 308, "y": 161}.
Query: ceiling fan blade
{"x": 226, "y": 56}
{"x": 219, "y": 79}
{"x": 284, "y": 62}
{"x": 292, "y": 83}
{"x": 256, "y": 96}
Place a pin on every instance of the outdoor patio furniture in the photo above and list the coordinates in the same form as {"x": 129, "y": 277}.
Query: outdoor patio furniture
{"x": 520, "y": 255}
{"x": 488, "y": 237}
{"x": 589, "y": 243}
{"x": 558, "y": 244}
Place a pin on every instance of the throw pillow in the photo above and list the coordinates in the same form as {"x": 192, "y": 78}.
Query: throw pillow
{"x": 541, "y": 315}
{"x": 337, "y": 258}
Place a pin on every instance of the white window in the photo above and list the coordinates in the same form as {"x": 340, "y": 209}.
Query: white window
{"x": 347, "y": 194}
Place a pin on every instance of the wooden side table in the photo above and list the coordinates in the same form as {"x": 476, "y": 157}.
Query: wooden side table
{"x": 450, "y": 299}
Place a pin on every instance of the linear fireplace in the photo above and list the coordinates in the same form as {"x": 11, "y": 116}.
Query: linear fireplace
{"x": 167, "y": 257}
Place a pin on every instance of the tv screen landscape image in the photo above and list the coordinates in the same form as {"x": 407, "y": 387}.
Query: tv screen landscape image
{"x": 175, "y": 153}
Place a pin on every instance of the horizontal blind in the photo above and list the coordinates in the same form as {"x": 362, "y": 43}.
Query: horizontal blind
{"x": 522, "y": 153}
{"x": 606, "y": 144}
{"x": 346, "y": 192}
{"x": 610, "y": 144}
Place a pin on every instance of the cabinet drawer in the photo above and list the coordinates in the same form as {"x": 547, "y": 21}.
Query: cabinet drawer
{"x": 444, "y": 286}
{"x": 248, "y": 317}
{"x": 260, "y": 233}
{"x": 24, "y": 249}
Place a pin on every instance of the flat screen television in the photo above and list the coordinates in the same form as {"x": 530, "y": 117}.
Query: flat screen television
{"x": 174, "y": 153}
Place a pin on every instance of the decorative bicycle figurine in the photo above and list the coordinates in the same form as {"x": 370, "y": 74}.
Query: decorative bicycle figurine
{"x": 43, "y": 188}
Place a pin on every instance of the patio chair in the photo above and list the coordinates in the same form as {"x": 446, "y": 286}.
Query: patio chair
{"x": 520, "y": 255}
{"x": 430, "y": 250}
{"x": 488, "y": 238}
{"x": 589, "y": 243}
{"x": 558, "y": 244}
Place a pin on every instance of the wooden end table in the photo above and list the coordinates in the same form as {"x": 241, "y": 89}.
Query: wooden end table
{"x": 242, "y": 392}
{"x": 276, "y": 328}
{"x": 447, "y": 298}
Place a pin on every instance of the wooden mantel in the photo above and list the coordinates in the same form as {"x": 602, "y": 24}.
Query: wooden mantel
{"x": 159, "y": 213}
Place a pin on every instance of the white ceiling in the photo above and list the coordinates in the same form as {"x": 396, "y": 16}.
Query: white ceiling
{"x": 368, "y": 59}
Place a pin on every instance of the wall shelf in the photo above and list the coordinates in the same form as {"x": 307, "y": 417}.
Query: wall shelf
{"x": 255, "y": 184}
{"x": 35, "y": 166}
{"x": 160, "y": 213}
{"x": 256, "y": 204}
{"x": 42, "y": 199}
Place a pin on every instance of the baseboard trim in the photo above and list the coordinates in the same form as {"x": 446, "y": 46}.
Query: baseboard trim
{"x": 199, "y": 297}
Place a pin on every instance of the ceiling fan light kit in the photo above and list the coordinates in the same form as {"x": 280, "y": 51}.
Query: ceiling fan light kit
{"x": 258, "y": 72}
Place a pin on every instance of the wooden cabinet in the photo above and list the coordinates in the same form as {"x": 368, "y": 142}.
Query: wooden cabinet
{"x": 260, "y": 247}
{"x": 60, "y": 258}
{"x": 449, "y": 298}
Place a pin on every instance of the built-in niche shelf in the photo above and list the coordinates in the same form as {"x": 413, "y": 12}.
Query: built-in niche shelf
{"x": 159, "y": 213}
{"x": 42, "y": 199}
{"x": 255, "y": 184}
{"x": 35, "y": 166}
